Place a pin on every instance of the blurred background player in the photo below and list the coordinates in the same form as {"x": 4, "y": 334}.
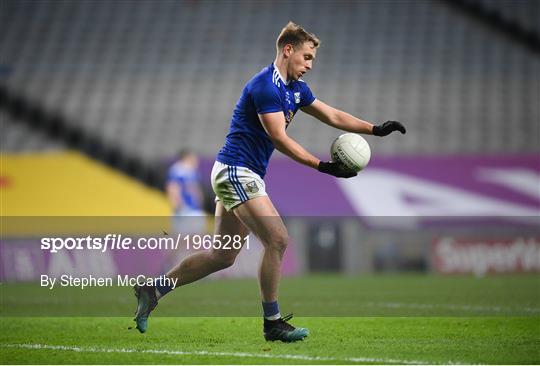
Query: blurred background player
{"x": 183, "y": 188}
{"x": 185, "y": 193}
{"x": 266, "y": 108}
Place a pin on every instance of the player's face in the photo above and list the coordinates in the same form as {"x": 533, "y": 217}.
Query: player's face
{"x": 301, "y": 61}
{"x": 192, "y": 160}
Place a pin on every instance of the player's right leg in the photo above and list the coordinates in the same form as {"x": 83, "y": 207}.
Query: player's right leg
{"x": 206, "y": 262}
{"x": 194, "y": 267}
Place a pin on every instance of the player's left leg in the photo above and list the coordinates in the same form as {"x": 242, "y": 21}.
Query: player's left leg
{"x": 262, "y": 219}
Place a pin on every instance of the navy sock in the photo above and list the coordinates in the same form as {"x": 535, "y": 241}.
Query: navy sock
{"x": 271, "y": 310}
{"x": 164, "y": 285}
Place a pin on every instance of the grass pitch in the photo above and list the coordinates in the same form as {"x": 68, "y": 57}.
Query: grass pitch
{"x": 377, "y": 319}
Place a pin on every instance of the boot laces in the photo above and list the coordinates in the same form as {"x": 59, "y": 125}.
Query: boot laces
{"x": 283, "y": 323}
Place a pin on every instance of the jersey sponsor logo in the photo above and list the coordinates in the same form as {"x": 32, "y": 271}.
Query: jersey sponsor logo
{"x": 288, "y": 118}
{"x": 297, "y": 97}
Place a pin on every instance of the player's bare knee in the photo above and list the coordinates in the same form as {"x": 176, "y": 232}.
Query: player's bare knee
{"x": 279, "y": 243}
{"x": 223, "y": 260}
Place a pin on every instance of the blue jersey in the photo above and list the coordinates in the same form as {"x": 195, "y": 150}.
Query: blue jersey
{"x": 188, "y": 180}
{"x": 247, "y": 144}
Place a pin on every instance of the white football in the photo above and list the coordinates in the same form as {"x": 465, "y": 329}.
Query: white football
{"x": 352, "y": 150}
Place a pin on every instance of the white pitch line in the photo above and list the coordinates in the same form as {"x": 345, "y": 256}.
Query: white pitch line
{"x": 230, "y": 354}
{"x": 454, "y": 307}
{"x": 475, "y": 308}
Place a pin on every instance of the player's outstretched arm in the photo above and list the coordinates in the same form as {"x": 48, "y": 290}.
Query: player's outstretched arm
{"x": 274, "y": 125}
{"x": 346, "y": 122}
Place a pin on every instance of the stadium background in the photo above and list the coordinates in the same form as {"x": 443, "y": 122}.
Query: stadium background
{"x": 96, "y": 97}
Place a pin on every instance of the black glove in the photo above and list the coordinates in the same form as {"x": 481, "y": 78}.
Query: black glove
{"x": 336, "y": 169}
{"x": 388, "y": 127}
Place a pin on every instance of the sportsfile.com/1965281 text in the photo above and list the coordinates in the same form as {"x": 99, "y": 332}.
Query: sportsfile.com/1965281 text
{"x": 121, "y": 242}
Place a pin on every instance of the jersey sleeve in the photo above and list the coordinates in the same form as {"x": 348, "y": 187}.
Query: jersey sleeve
{"x": 266, "y": 98}
{"x": 307, "y": 95}
{"x": 171, "y": 175}
{"x": 176, "y": 174}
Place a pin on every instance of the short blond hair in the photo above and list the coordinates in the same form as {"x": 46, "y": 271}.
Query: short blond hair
{"x": 296, "y": 36}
